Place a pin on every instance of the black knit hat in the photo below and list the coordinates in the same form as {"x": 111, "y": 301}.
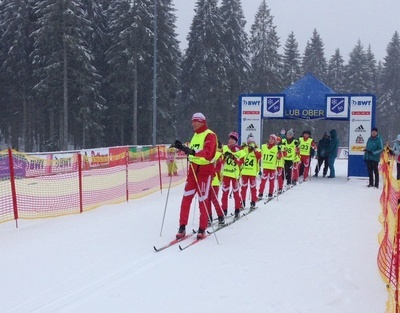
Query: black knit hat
{"x": 374, "y": 129}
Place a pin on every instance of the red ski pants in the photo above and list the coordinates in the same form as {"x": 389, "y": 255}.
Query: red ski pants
{"x": 193, "y": 186}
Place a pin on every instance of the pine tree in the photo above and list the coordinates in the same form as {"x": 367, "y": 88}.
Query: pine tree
{"x": 336, "y": 72}
{"x": 372, "y": 69}
{"x": 314, "y": 61}
{"x": 18, "y": 111}
{"x": 235, "y": 40}
{"x": 204, "y": 79}
{"x": 265, "y": 58}
{"x": 291, "y": 61}
{"x": 389, "y": 109}
{"x": 130, "y": 57}
{"x": 67, "y": 82}
{"x": 99, "y": 41}
{"x": 358, "y": 78}
{"x": 168, "y": 72}
{"x": 379, "y": 75}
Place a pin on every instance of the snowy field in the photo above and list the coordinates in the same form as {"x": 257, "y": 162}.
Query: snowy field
{"x": 312, "y": 250}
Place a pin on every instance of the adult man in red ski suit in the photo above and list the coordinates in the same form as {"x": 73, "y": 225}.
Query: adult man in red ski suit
{"x": 201, "y": 153}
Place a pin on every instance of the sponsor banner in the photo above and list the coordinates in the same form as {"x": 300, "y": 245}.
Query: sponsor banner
{"x": 337, "y": 107}
{"x": 273, "y": 107}
{"x": 95, "y": 157}
{"x": 63, "y": 163}
{"x": 118, "y": 156}
{"x": 251, "y": 119}
{"x": 19, "y": 162}
{"x": 360, "y": 123}
{"x": 38, "y": 164}
{"x": 343, "y": 153}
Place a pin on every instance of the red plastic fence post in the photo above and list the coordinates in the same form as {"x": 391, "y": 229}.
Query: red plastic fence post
{"x": 13, "y": 189}
{"x": 159, "y": 167}
{"x": 80, "y": 183}
{"x": 127, "y": 173}
{"x": 396, "y": 250}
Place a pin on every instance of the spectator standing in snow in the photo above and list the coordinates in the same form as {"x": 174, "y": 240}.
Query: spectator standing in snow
{"x": 282, "y": 134}
{"x": 322, "y": 155}
{"x": 396, "y": 152}
{"x": 372, "y": 155}
{"x": 201, "y": 153}
{"x": 171, "y": 163}
{"x": 332, "y": 152}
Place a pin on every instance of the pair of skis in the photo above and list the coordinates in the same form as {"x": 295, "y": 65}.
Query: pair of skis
{"x": 174, "y": 242}
{"x": 207, "y": 234}
{"x": 183, "y": 247}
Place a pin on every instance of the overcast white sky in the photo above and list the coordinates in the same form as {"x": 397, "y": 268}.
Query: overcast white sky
{"x": 340, "y": 23}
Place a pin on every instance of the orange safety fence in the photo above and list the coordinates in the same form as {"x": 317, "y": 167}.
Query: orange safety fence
{"x": 53, "y": 184}
{"x": 388, "y": 255}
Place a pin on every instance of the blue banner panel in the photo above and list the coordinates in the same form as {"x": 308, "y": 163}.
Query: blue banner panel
{"x": 356, "y": 166}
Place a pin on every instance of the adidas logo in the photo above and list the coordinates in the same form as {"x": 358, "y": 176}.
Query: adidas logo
{"x": 360, "y": 129}
{"x": 251, "y": 127}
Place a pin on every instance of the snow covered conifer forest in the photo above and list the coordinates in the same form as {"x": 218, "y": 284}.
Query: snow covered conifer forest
{"x": 79, "y": 74}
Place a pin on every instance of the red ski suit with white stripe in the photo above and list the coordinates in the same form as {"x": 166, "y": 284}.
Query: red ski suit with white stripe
{"x": 199, "y": 180}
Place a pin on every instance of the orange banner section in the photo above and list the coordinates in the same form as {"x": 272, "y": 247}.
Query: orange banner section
{"x": 388, "y": 255}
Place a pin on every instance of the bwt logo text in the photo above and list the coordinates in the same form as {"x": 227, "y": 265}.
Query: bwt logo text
{"x": 364, "y": 103}
{"x": 251, "y": 102}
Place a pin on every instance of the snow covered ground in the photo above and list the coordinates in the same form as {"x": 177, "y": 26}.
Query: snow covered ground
{"x": 313, "y": 249}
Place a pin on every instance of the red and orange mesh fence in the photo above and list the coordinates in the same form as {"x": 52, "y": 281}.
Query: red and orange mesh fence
{"x": 388, "y": 255}
{"x": 53, "y": 184}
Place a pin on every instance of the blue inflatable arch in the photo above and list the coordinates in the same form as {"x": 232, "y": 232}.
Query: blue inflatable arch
{"x": 310, "y": 99}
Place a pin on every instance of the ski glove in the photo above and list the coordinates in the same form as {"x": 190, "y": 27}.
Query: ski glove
{"x": 184, "y": 148}
{"x": 229, "y": 155}
{"x": 178, "y": 145}
{"x": 252, "y": 146}
{"x": 367, "y": 151}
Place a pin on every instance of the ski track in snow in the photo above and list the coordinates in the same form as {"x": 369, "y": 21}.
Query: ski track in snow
{"x": 312, "y": 250}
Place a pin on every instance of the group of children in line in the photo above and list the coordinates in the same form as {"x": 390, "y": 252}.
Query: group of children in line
{"x": 237, "y": 168}
{"x": 234, "y": 168}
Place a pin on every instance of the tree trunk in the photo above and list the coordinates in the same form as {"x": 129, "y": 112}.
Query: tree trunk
{"x": 64, "y": 136}
{"x": 135, "y": 104}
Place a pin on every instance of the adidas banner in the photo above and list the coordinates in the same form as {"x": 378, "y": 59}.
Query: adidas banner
{"x": 360, "y": 123}
{"x": 250, "y": 118}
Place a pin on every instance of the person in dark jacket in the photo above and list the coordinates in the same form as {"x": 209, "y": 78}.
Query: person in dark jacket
{"x": 372, "y": 155}
{"x": 332, "y": 152}
{"x": 322, "y": 155}
{"x": 396, "y": 152}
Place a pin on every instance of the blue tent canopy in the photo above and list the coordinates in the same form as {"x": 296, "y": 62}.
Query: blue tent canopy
{"x": 306, "y": 98}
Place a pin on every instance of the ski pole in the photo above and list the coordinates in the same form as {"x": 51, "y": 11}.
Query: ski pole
{"x": 166, "y": 201}
{"x": 194, "y": 209}
{"x": 165, "y": 208}
{"x": 205, "y": 207}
